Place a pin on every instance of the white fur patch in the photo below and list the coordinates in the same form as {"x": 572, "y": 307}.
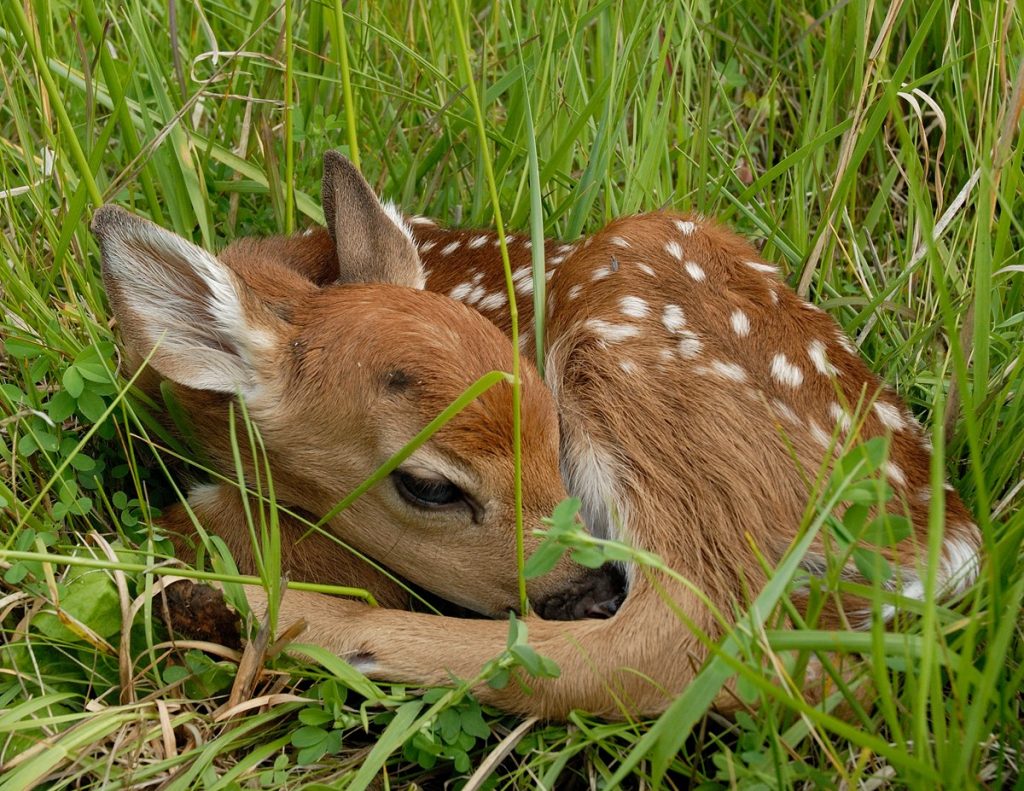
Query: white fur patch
{"x": 478, "y": 241}
{"x": 783, "y": 410}
{"x": 461, "y": 291}
{"x": 396, "y": 216}
{"x": 493, "y": 301}
{"x": 760, "y": 267}
{"x": 891, "y": 416}
{"x": 675, "y": 250}
{"x": 612, "y": 333}
{"x": 840, "y": 416}
{"x": 601, "y": 273}
{"x": 645, "y": 269}
{"x": 816, "y": 351}
{"x": 673, "y": 319}
{"x": 895, "y": 473}
{"x": 818, "y": 434}
{"x": 689, "y": 345}
{"x": 685, "y": 227}
{"x": 786, "y": 372}
{"x": 730, "y": 371}
{"x": 427, "y": 246}
{"x": 450, "y": 248}
{"x": 618, "y": 241}
{"x": 634, "y": 307}
{"x": 695, "y": 271}
{"x": 740, "y": 323}
{"x": 575, "y": 291}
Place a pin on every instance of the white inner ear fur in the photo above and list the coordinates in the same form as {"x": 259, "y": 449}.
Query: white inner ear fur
{"x": 183, "y": 301}
{"x": 396, "y": 216}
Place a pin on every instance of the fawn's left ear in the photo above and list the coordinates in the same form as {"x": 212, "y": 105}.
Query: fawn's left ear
{"x": 373, "y": 242}
{"x": 178, "y": 305}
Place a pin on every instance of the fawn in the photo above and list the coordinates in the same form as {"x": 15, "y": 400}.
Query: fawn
{"x": 687, "y": 390}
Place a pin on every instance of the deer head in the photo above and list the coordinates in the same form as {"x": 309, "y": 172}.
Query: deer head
{"x": 337, "y": 379}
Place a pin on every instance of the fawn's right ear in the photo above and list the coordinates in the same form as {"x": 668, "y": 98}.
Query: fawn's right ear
{"x": 373, "y": 242}
{"x": 202, "y": 324}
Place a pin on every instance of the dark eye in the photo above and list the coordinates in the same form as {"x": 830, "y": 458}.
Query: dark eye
{"x": 426, "y": 492}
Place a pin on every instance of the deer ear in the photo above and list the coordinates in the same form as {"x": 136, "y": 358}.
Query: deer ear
{"x": 203, "y": 326}
{"x": 373, "y": 242}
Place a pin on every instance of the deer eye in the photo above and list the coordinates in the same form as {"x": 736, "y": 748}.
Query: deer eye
{"x": 426, "y": 492}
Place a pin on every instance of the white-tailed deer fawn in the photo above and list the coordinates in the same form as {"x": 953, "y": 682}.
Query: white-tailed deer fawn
{"x": 688, "y": 392}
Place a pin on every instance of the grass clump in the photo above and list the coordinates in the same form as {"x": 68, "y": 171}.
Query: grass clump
{"x": 875, "y": 148}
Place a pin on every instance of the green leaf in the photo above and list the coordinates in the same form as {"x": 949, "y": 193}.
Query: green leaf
{"x": 887, "y": 530}
{"x": 73, "y": 382}
{"x": 90, "y": 596}
{"x": 308, "y": 735}
{"x": 22, "y": 349}
{"x": 872, "y": 565}
{"x": 591, "y": 557}
{"x": 91, "y": 406}
{"x": 61, "y": 406}
{"x": 544, "y": 558}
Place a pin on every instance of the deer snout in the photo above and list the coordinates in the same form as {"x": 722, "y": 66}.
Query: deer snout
{"x": 597, "y": 593}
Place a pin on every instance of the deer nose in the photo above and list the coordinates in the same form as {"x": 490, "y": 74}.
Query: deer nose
{"x": 596, "y": 594}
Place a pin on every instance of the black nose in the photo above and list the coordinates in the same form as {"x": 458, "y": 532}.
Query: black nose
{"x": 596, "y": 594}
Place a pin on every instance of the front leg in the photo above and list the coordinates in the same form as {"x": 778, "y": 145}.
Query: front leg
{"x": 629, "y": 665}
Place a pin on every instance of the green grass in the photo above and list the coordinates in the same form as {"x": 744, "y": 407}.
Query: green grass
{"x": 875, "y": 149}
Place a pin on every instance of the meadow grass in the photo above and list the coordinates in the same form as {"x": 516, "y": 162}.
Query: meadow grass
{"x": 873, "y": 149}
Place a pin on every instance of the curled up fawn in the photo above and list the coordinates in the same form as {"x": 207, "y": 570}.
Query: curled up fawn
{"x": 689, "y": 397}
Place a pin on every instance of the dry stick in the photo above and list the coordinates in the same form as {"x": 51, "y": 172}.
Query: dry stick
{"x": 124, "y": 654}
{"x": 498, "y": 754}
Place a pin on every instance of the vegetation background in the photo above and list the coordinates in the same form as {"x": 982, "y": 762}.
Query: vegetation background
{"x": 874, "y": 148}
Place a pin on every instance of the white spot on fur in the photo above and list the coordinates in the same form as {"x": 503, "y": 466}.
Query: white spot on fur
{"x": 695, "y": 271}
{"x": 760, "y": 267}
{"x": 427, "y": 246}
{"x": 628, "y": 367}
{"x": 685, "y": 227}
{"x": 419, "y": 219}
{"x": 730, "y": 371}
{"x": 961, "y": 562}
{"x": 525, "y": 286}
{"x": 740, "y": 323}
{"x": 450, "y": 248}
{"x": 818, "y": 434}
{"x": 478, "y": 241}
{"x": 774, "y": 296}
{"x": 673, "y": 319}
{"x": 689, "y": 345}
{"x": 575, "y": 291}
{"x": 527, "y": 244}
{"x": 846, "y": 343}
{"x": 565, "y": 248}
{"x": 493, "y": 301}
{"x": 556, "y": 260}
{"x": 601, "y": 272}
{"x": 786, "y": 372}
{"x": 461, "y": 291}
{"x": 840, "y": 416}
{"x": 618, "y": 241}
{"x": 816, "y": 351}
{"x": 612, "y": 333}
{"x": 634, "y": 307}
{"x": 675, "y": 250}
{"x": 891, "y": 417}
{"x": 645, "y": 269}
{"x": 783, "y": 410}
{"x": 895, "y": 473}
